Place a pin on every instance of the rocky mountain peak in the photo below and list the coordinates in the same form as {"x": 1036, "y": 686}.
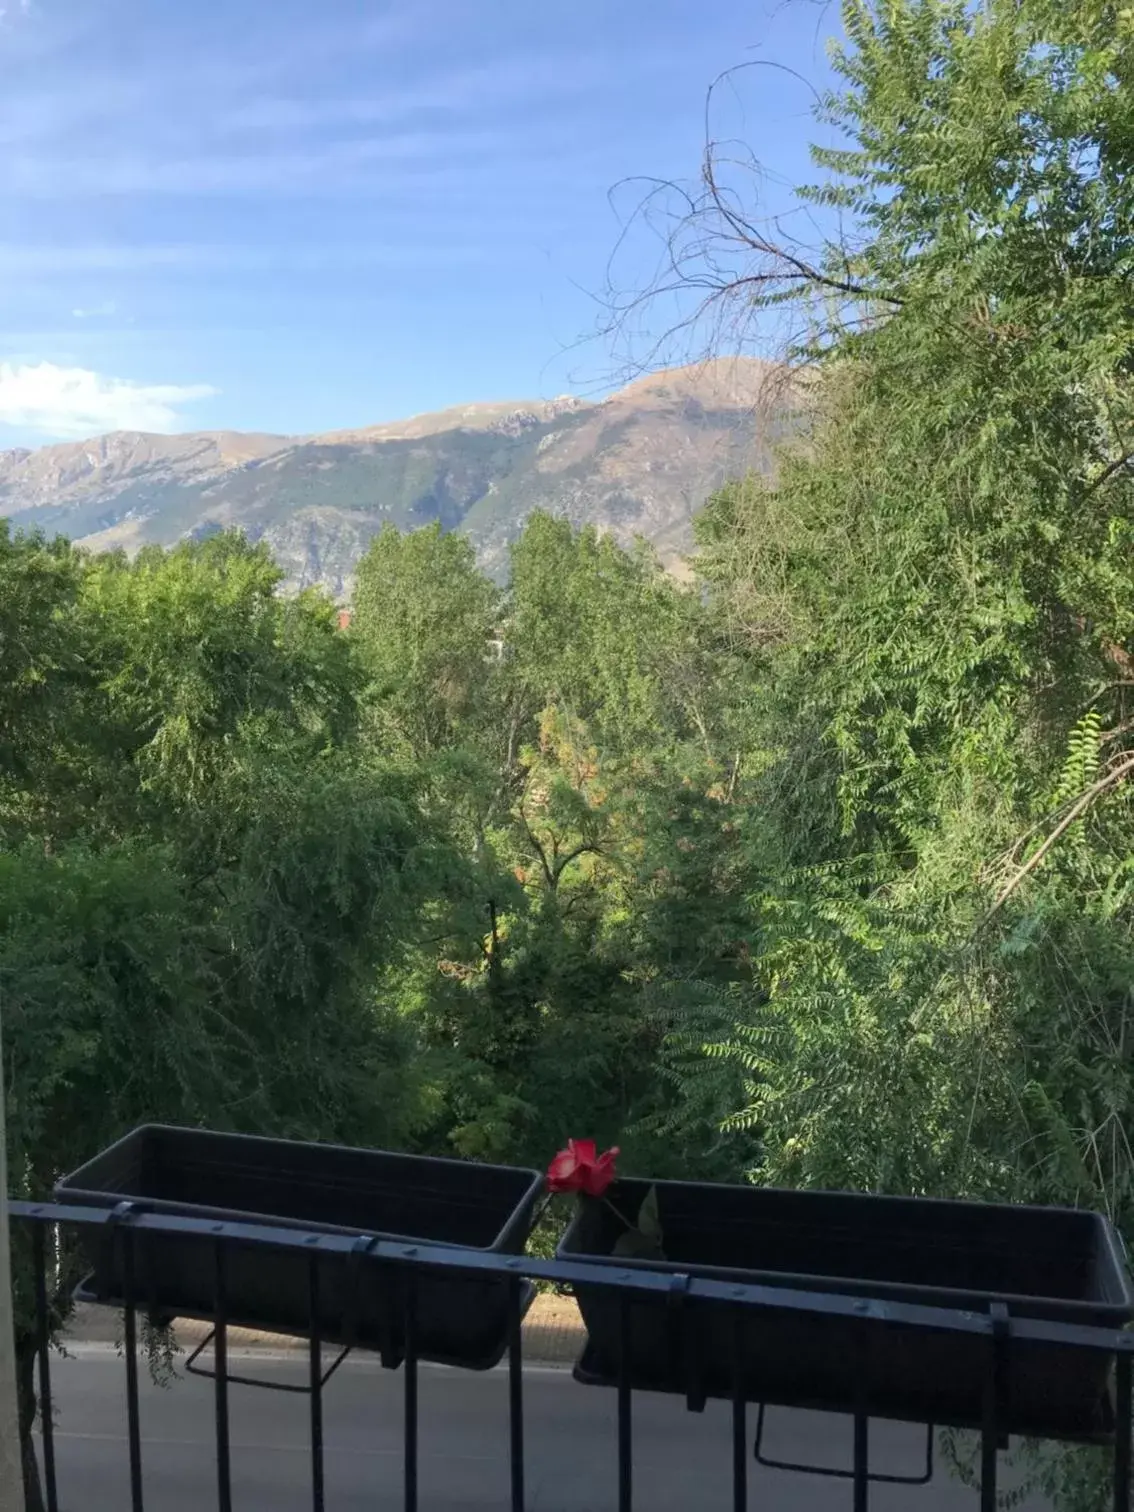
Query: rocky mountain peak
{"x": 640, "y": 462}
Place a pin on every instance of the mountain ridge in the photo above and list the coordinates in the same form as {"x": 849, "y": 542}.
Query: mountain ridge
{"x": 638, "y": 462}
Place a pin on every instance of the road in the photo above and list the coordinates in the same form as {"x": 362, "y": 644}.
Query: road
{"x": 682, "y": 1460}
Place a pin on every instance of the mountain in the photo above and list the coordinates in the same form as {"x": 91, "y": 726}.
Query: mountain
{"x": 639, "y": 462}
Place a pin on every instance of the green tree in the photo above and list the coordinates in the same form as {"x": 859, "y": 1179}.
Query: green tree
{"x": 194, "y": 656}
{"x": 40, "y": 665}
{"x": 590, "y": 741}
{"x": 608, "y": 637}
{"x": 954, "y": 541}
{"x": 201, "y": 870}
{"x": 932, "y": 615}
{"x": 426, "y": 619}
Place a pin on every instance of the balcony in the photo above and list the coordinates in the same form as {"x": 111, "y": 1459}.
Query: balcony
{"x": 423, "y": 1437}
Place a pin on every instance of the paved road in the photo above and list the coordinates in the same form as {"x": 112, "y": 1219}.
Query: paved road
{"x": 682, "y": 1460}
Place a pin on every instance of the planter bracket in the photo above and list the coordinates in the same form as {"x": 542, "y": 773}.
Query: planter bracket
{"x": 684, "y": 1344}
{"x": 192, "y": 1368}
{"x": 923, "y": 1479}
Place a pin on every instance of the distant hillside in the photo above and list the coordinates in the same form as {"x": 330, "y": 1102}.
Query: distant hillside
{"x": 640, "y": 462}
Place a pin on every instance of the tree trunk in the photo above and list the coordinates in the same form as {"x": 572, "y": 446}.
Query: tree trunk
{"x": 28, "y": 1405}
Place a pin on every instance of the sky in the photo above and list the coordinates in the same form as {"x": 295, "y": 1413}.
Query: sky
{"x": 307, "y": 215}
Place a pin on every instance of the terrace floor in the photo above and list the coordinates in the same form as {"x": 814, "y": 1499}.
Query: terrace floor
{"x": 682, "y": 1460}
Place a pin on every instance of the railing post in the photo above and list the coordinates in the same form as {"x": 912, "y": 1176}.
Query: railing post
{"x": 11, "y": 1460}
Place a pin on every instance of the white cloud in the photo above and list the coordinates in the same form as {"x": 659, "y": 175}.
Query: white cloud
{"x": 76, "y": 402}
{"x": 97, "y": 312}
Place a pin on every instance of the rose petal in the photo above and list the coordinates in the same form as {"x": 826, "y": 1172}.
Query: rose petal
{"x": 565, "y": 1174}
{"x": 598, "y": 1177}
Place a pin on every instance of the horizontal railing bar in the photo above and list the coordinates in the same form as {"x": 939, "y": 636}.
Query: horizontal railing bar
{"x": 768, "y": 1297}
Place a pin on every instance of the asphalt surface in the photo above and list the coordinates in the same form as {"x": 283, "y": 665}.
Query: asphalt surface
{"x": 682, "y": 1461}
{"x": 553, "y": 1330}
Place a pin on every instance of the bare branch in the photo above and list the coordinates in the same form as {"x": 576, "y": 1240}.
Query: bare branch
{"x": 545, "y": 866}
{"x": 564, "y": 861}
{"x": 1124, "y": 766}
{"x": 720, "y": 260}
{"x": 1108, "y": 472}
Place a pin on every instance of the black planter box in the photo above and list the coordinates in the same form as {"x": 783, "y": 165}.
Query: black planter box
{"x": 461, "y": 1320}
{"x": 1049, "y": 1263}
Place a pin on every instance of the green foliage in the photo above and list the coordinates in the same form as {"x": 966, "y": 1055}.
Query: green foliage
{"x": 424, "y": 618}
{"x": 606, "y": 636}
{"x": 200, "y": 872}
{"x": 566, "y": 737}
{"x": 935, "y": 685}
{"x": 106, "y": 1013}
{"x": 39, "y": 659}
{"x": 194, "y": 655}
{"x": 931, "y": 615}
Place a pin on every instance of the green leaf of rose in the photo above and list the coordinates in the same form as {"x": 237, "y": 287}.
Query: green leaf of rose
{"x": 634, "y": 1245}
{"x": 649, "y": 1223}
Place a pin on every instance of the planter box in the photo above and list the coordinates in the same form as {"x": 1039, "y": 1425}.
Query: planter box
{"x": 1048, "y": 1263}
{"x": 323, "y": 1189}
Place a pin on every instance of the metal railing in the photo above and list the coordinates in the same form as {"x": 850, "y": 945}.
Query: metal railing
{"x": 406, "y": 1263}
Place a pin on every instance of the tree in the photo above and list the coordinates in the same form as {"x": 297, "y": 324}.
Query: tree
{"x": 955, "y": 540}
{"x": 193, "y": 655}
{"x": 932, "y": 608}
{"x": 39, "y": 667}
{"x": 107, "y": 1022}
{"x": 425, "y": 618}
{"x": 607, "y": 636}
{"x": 201, "y": 871}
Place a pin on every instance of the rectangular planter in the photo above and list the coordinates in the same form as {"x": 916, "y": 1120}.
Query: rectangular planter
{"x": 1049, "y": 1263}
{"x": 322, "y": 1189}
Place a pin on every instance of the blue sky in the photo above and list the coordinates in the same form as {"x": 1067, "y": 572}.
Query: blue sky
{"x": 308, "y": 214}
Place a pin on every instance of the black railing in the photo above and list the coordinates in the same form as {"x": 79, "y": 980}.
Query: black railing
{"x": 403, "y": 1265}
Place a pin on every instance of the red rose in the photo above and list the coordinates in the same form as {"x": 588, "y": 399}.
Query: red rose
{"x": 579, "y": 1169}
